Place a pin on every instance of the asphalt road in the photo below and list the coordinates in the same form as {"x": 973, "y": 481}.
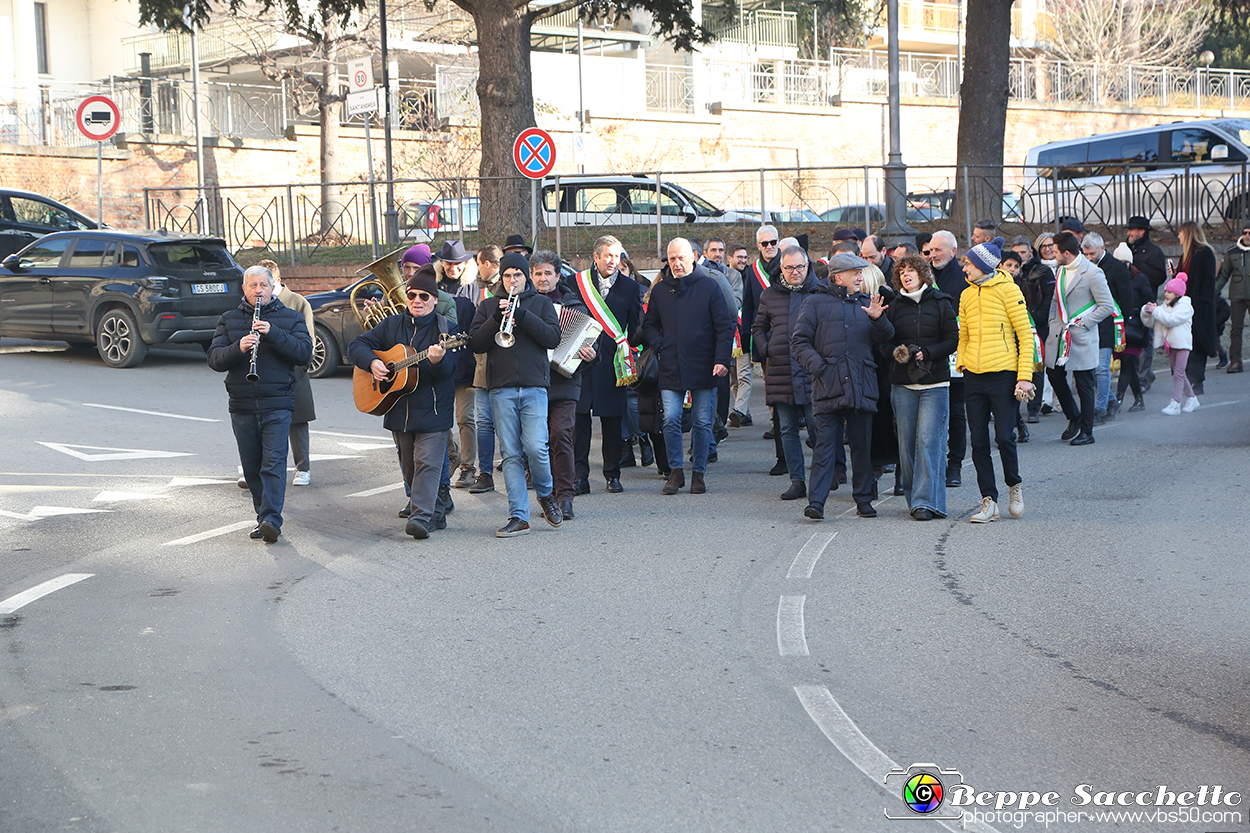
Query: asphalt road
{"x": 686, "y": 663}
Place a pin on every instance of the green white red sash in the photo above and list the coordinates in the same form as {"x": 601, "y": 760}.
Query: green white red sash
{"x": 1038, "y": 351}
{"x": 1068, "y": 316}
{"x": 1118, "y": 320}
{"x": 625, "y": 362}
{"x": 737, "y": 351}
{"x": 760, "y": 273}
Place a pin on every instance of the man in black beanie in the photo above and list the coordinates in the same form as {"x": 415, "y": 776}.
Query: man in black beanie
{"x": 515, "y": 331}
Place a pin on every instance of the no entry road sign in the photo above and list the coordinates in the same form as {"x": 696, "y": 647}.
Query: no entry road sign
{"x": 534, "y": 153}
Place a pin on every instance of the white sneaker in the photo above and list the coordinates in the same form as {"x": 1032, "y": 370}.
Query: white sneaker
{"x": 1173, "y": 408}
{"x": 1015, "y": 507}
{"x": 987, "y": 513}
{"x": 302, "y": 478}
{"x": 242, "y": 482}
{"x": 1191, "y": 404}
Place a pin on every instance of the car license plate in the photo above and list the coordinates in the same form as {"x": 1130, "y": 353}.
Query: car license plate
{"x": 207, "y": 288}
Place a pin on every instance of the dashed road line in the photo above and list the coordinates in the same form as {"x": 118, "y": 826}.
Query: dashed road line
{"x": 805, "y": 562}
{"x": 14, "y": 603}
{"x": 378, "y": 491}
{"x": 791, "y": 631}
{"x": 212, "y": 533}
{"x": 148, "y": 413}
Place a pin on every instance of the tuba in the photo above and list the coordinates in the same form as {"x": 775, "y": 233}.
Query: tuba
{"x": 389, "y": 278}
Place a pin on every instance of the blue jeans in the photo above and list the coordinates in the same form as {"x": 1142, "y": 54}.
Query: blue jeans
{"x": 520, "y": 417}
{"x": 791, "y": 443}
{"x": 485, "y": 432}
{"x": 262, "y": 441}
{"x": 1104, "y": 379}
{"x": 922, "y": 417}
{"x": 703, "y": 401}
{"x": 629, "y": 424}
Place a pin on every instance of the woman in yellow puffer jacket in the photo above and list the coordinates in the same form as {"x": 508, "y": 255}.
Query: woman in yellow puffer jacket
{"x": 996, "y": 358}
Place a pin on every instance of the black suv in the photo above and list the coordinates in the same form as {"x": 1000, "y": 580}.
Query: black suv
{"x": 26, "y": 216}
{"x": 121, "y": 290}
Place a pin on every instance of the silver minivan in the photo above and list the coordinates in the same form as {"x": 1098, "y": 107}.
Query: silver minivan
{"x": 1168, "y": 173}
{"x": 624, "y": 201}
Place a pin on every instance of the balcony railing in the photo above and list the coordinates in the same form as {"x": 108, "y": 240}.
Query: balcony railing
{"x": 763, "y": 27}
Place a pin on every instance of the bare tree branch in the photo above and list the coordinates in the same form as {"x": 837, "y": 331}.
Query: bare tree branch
{"x": 1129, "y": 32}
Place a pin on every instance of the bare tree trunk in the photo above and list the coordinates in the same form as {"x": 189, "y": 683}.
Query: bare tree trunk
{"x": 328, "y": 113}
{"x": 983, "y": 96}
{"x": 506, "y": 97}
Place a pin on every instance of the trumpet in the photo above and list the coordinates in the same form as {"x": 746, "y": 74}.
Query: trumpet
{"x": 252, "y": 375}
{"x": 505, "y": 338}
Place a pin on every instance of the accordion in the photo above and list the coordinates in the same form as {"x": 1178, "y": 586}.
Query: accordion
{"x": 577, "y": 330}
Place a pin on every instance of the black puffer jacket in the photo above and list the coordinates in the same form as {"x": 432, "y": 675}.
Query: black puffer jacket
{"x": 286, "y": 345}
{"x": 537, "y": 330}
{"x": 1037, "y": 284}
{"x": 835, "y": 341}
{"x": 786, "y": 382}
{"x": 431, "y": 406}
{"x": 930, "y": 325}
{"x": 690, "y": 329}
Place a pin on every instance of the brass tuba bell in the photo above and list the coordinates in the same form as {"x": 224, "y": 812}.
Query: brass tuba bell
{"x": 388, "y": 276}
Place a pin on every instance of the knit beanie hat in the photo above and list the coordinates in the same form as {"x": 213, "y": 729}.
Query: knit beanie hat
{"x": 424, "y": 280}
{"x": 987, "y": 256}
{"x": 1177, "y": 285}
{"x": 418, "y": 254}
{"x": 1123, "y": 253}
{"x": 514, "y": 260}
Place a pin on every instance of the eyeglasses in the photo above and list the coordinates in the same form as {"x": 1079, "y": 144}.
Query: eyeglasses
{"x": 768, "y": 242}
{"x": 423, "y": 296}
{"x": 1048, "y": 246}
{"x": 798, "y": 267}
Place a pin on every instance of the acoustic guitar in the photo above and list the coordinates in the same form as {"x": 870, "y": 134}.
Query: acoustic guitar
{"x": 374, "y": 397}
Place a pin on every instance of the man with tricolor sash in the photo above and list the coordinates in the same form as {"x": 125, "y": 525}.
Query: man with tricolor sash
{"x": 760, "y": 275}
{"x": 616, "y": 303}
{"x": 1082, "y": 299}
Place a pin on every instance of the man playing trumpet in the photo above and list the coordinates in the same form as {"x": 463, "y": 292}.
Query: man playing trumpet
{"x": 515, "y": 332}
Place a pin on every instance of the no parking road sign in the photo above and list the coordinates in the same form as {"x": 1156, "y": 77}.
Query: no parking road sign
{"x": 534, "y": 153}
{"x": 98, "y": 118}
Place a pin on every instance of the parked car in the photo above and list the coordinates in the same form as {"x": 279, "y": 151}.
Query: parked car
{"x": 788, "y": 216}
{"x": 1168, "y": 172}
{"x": 421, "y": 220}
{"x": 335, "y": 325}
{"x": 119, "y": 290}
{"x": 853, "y": 215}
{"x": 624, "y": 201}
{"x": 26, "y": 216}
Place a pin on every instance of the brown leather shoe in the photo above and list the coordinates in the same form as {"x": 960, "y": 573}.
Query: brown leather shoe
{"x": 697, "y": 486}
{"x": 674, "y": 483}
{"x": 1234, "y": 367}
{"x": 484, "y": 483}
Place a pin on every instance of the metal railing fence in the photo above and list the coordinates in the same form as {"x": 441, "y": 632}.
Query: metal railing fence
{"x": 296, "y": 223}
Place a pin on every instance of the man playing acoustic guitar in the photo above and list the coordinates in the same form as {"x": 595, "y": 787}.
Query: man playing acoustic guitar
{"x": 420, "y": 420}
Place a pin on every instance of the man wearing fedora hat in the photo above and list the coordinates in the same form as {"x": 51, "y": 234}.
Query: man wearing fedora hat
{"x": 456, "y": 269}
{"x": 516, "y": 243}
{"x": 1149, "y": 260}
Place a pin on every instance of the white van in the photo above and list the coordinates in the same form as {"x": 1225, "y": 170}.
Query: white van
{"x": 624, "y": 201}
{"x": 1168, "y": 173}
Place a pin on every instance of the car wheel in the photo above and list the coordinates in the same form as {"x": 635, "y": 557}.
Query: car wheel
{"x": 325, "y": 354}
{"x": 118, "y": 339}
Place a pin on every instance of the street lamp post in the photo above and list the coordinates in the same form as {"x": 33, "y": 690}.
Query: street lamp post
{"x": 896, "y": 228}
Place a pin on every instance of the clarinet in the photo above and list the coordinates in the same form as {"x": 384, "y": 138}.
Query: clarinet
{"x": 252, "y": 376}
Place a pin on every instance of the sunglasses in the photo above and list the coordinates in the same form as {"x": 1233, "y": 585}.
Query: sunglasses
{"x": 927, "y": 252}
{"x": 768, "y": 242}
{"x": 423, "y": 296}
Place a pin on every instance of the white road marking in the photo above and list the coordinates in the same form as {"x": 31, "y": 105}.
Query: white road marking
{"x": 148, "y": 413}
{"x": 115, "y": 496}
{"x": 366, "y": 446}
{"x": 212, "y": 533}
{"x": 825, "y": 712}
{"x": 313, "y": 458}
{"x": 111, "y": 453}
{"x": 179, "y": 482}
{"x": 1204, "y": 406}
{"x": 805, "y": 561}
{"x": 21, "y": 490}
{"x": 354, "y": 436}
{"x": 791, "y": 636}
{"x": 15, "y": 603}
{"x": 378, "y": 491}
{"x": 48, "y": 512}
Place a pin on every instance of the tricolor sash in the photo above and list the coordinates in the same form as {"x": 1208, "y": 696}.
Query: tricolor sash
{"x": 761, "y": 274}
{"x": 738, "y": 336}
{"x": 1118, "y": 320}
{"x": 626, "y": 361}
{"x": 1067, "y": 315}
{"x": 1038, "y": 351}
